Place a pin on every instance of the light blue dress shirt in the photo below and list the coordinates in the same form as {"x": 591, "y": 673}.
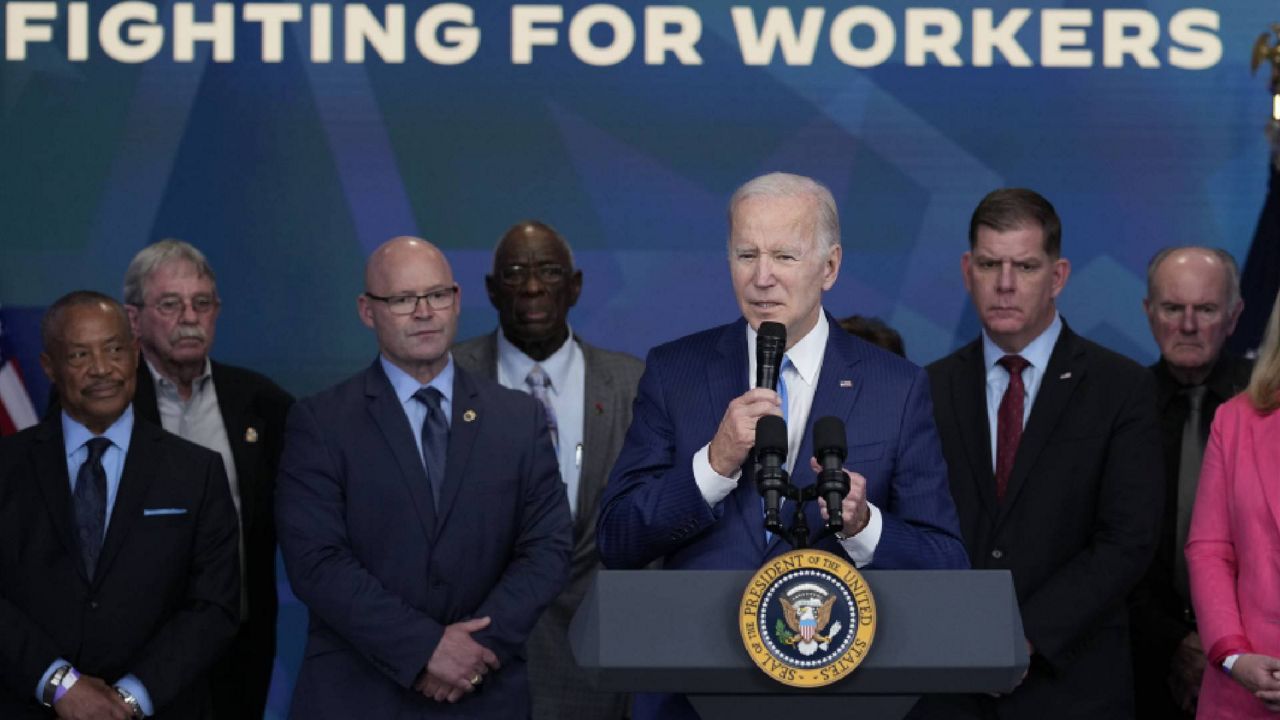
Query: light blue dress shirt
{"x": 567, "y": 369}
{"x": 75, "y": 438}
{"x": 1037, "y": 353}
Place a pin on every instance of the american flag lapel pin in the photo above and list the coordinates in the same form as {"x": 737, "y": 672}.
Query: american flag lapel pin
{"x": 1065, "y": 376}
{"x": 846, "y": 383}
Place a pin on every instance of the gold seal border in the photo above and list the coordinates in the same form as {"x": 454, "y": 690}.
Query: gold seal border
{"x": 780, "y": 669}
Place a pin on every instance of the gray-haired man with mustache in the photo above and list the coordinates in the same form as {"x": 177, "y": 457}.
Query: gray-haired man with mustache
{"x": 171, "y": 296}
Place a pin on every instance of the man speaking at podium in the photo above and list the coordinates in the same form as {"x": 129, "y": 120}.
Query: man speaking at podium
{"x": 681, "y": 491}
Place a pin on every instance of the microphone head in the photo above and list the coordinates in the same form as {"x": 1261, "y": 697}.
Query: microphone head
{"x": 828, "y": 437}
{"x": 771, "y": 435}
{"x": 772, "y": 336}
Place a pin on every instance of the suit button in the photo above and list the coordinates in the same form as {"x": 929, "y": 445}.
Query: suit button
{"x": 997, "y": 553}
{"x": 93, "y": 604}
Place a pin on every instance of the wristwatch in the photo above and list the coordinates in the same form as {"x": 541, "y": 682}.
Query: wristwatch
{"x": 59, "y": 683}
{"x": 135, "y": 710}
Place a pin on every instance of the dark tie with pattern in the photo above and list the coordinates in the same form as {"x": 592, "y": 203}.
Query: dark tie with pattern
{"x": 1189, "y": 460}
{"x": 90, "y": 498}
{"x": 435, "y": 439}
{"x": 1009, "y": 421}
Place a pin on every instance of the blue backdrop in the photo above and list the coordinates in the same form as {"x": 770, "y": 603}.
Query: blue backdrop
{"x": 288, "y": 173}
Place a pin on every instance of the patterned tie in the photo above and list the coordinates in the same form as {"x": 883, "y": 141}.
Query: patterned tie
{"x": 1009, "y": 421}
{"x": 90, "y": 499}
{"x": 539, "y": 387}
{"x": 435, "y": 439}
{"x": 1188, "y": 477}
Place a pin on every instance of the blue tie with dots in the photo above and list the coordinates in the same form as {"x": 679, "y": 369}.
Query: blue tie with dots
{"x": 90, "y": 499}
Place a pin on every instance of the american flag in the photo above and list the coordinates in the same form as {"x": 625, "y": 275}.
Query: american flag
{"x": 16, "y": 410}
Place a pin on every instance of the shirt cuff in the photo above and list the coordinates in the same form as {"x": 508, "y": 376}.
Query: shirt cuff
{"x": 134, "y": 687}
{"x": 44, "y": 679}
{"x": 713, "y": 486}
{"x": 861, "y": 548}
{"x": 1229, "y": 662}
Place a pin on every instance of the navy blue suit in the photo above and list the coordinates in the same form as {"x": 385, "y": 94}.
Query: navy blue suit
{"x": 653, "y": 509}
{"x": 383, "y": 570}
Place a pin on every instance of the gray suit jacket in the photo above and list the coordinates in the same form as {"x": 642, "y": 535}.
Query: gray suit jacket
{"x": 610, "y": 384}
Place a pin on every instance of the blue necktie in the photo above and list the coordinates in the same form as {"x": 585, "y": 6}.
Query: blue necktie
{"x": 90, "y": 499}
{"x": 435, "y": 439}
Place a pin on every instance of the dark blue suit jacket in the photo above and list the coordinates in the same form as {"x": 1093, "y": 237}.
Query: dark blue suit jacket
{"x": 383, "y": 571}
{"x": 653, "y": 509}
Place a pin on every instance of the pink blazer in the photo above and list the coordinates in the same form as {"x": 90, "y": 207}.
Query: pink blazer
{"x": 1233, "y": 552}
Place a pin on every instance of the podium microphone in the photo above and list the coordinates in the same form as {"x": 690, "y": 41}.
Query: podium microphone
{"x": 830, "y": 449}
{"x": 771, "y": 479}
{"x": 771, "y": 344}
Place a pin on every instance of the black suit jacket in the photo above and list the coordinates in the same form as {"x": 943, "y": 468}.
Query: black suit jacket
{"x": 1160, "y": 617}
{"x": 165, "y": 599}
{"x": 254, "y": 410}
{"x": 1077, "y": 526}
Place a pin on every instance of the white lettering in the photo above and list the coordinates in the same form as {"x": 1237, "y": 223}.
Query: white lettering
{"x": 18, "y": 30}
{"x": 1061, "y": 38}
{"x": 272, "y": 17}
{"x": 461, "y": 37}
{"x": 681, "y": 42}
{"x": 758, "y": 45}
{"x": 885, "y": 36}
{"x": 987, "y": 37}
{"x": 1196, "y": 29}
{"x": 221, "y": 31}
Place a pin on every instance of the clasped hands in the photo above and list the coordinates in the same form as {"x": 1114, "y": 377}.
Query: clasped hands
{"x": 91, "y": 699}
{"x": 736, "y": 435}
{"x": 1260, "y": 675}
{"x": 458, "y": 664}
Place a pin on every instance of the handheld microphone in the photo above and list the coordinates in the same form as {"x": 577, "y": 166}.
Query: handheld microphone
{"x": 771, "y": 479}
{"x": 830, "y": 449}
{"x": 771, "y": 344}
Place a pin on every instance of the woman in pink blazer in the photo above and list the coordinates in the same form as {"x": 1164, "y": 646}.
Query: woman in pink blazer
{"x": 1233, "y": 547}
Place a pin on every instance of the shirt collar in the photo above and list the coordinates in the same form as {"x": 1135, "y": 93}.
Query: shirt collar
{"x": 516, "y": 365}
{"x": 806, "y": 355}
{"x": 74, "y": 435}
{"x": 161, "y": 381}
{"x": 1037, "y": 352}
{"x": 405, "y": 385}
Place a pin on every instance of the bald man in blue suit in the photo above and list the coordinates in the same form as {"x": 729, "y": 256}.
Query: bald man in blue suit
{"x": 682, "y": 490}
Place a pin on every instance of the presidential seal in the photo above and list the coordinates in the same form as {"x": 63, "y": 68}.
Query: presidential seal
{"x": 807, "y": 618}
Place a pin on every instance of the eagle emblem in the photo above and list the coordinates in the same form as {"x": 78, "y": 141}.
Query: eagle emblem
{"x": 807, "y": 614}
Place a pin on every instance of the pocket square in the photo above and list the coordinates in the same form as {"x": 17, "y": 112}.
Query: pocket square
{"x": 151, "y": 512}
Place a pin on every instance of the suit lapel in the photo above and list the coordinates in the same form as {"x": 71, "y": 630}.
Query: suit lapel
{"x": 726, "y": 378}
{"x": 136, "y": 478}
{"x": 234, "y": 404}
{"x": 1066, "y": 369}
{"x": 969, "y": 400}
{"x": 389, "y": 416}
{"x": 599, "y": 397}
{"x": 145, "y": 405}
{"x": 50, "y": 458}
{"x": 1266, "y": 454}
{"x": 463, "y": 429}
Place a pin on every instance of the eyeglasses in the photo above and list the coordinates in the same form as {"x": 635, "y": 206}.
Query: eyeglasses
{"x": 173, "y": 306}
{"x": 517, "y": 275}
{"x": 406, "y": 304}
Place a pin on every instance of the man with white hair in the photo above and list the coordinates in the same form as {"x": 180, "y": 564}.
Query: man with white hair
{"x": 683, "y": 489}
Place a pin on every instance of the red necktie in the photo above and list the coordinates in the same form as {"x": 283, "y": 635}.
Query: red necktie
{"x": 1009, "y": 421}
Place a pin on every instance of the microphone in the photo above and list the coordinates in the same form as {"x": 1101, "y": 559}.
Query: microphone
{"x": 830, "y": 449}
{"x": 771, "y": 343}
{"x": 771, "y": 479}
